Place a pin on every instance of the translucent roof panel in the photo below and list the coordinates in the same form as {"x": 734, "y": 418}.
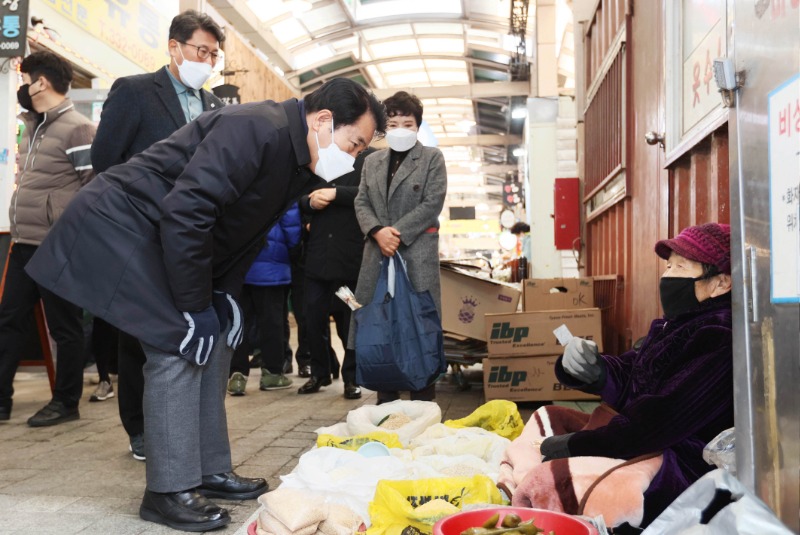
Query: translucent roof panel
{"x": 407, "y": 79}
{"x": 324, "y": 17}
{"x": 312, "y": 57}
{"x": 389, "y": 8}
{"x": 402, "y": 66}
{"x": 449, "y": 77}
{"x": 289, "y": 30}
{"x": 438, "y": 29}
{"x": 389, "y": 49}
{"x": 384, "y": 32}
{"x": 434, "y": 46}
{"x": 268, "y": 9}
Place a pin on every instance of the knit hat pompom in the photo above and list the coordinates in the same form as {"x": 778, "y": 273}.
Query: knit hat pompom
{"x": 708, "y": 244}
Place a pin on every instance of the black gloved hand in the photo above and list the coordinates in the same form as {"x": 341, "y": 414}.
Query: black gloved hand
{"x": 555, "y": 447}
{"x": 228, "y": 310}
{"x": 202, "y": 331}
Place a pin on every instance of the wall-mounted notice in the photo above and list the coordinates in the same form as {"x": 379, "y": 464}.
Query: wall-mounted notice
{"x": 784, "y": 186}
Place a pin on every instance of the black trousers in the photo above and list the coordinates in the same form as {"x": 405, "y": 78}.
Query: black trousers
{"x": 266, "y": 309}
{"x": 64, "y": 321}
{"x": 104, "y": 347}
{"x": 130, "y": 383}
{"x": 297, "y": 295}
{"x": 321, "y": 303}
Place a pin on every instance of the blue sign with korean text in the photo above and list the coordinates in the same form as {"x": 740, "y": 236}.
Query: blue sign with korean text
{"x": 13, "y": 27}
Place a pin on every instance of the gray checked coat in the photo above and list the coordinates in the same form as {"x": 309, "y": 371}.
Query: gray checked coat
{"x": 412, "y": 206}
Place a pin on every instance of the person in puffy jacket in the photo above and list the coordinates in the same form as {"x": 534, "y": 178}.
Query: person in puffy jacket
{"x": 264, "y": 305}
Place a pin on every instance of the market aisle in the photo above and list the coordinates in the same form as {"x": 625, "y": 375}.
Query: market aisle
{"x": 78, "y": 477}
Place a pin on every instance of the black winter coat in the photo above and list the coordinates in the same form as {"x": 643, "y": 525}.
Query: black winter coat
{"x": 335, "y": 242}
{"x": 151, "y": 238}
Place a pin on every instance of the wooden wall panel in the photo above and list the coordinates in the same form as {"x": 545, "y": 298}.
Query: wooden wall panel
{"x": 699, "y": 184}
{"x": 259, "y": 82}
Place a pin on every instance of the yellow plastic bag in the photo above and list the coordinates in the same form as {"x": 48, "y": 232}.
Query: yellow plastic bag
{"x": 390, "y": 440}
{"x": 419, "y": 503}
{"x": 498, "y": 416}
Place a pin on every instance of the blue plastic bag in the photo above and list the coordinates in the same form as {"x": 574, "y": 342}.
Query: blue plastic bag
{"x": 399, "y": 342}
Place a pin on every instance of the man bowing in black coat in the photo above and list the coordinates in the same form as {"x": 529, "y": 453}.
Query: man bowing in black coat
{"x": 159, "y": 247}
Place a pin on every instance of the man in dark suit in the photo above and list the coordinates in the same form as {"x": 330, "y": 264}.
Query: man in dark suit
{"x": 159, "y": 247}
{"x": 333, "y": 257}
{"x": 141, "y": 110}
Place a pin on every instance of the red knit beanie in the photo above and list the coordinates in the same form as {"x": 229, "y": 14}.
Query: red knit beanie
{"x": 707, "y": 244}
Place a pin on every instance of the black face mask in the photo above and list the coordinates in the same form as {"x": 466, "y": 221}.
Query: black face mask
{"x": 678, "y": 296}
{"x": 24, "y": 97}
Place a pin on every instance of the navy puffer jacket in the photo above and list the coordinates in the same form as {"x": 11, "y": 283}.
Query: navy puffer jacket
{"x": 272, "y": 266}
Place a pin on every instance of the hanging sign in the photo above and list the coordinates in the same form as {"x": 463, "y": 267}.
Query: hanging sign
{"x": 227, "y": 93}
{"x": 784, "y": 191}
{"x": 13, "y": 27}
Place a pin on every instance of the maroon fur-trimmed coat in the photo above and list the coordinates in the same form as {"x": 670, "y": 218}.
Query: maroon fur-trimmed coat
{"x": 673, "y": 395}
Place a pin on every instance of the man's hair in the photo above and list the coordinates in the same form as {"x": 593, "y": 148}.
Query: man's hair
{"x": 348, "y": 101}
{"x": 57, "y": 70}
{"x": 184, "y": 25}
{"x": 402, "y": 103}
{"x": 520, "y": 228}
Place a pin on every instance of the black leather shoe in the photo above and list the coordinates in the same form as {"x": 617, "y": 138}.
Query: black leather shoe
{"x": 230, "y": 486}
{"x": 313, "y": 385}
{"x": 5, "y": 413}
{"x": 352, "y": 391}
{"x": 304, "y": 371}
{"x": 53, "y": 413}
{"x": 185, "y": 511}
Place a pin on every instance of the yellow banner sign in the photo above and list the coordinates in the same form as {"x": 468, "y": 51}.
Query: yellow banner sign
{"x": 134, "y": 28}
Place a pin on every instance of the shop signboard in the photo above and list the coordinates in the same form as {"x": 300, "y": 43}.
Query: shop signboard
{"x": 137, "y": 29}
{"x": 784, "y": 187}
{"x": 227, "y": 93}
{"x": 14, "y": 21}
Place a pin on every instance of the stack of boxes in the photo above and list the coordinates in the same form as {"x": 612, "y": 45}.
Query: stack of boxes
{"x": 522, "y": 347}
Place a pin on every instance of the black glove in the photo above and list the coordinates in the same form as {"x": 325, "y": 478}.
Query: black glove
{"x": 228, "y": 310}
{"x": 582, "y": 360}
{"x": 555, "y": 447}
{"x": 202, "y": 331}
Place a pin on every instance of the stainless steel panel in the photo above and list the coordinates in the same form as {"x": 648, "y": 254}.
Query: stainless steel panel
{"x": 766, "y": 45}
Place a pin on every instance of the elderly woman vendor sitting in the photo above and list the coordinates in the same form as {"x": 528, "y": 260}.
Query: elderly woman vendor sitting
{"x": 669, "y": 398}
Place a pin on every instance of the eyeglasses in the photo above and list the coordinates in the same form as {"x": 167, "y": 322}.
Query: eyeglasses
{"x": 204, "y": 53}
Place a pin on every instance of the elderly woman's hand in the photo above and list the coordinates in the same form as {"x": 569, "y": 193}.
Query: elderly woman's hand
{"x": 388, "y": 239}
{"x": 582, "y": 360}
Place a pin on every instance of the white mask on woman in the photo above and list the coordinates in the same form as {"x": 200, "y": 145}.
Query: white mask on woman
{"x": 193, "y": 73}
{"x": 333, "y": 162}
{"x": 401, "y": 139}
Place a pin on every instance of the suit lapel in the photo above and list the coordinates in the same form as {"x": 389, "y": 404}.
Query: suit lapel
{"x": 166, "y": 92}
{"x": 207, "y": 103}
{"x": 408, "y": 166}
{"x": 382, "y": 173}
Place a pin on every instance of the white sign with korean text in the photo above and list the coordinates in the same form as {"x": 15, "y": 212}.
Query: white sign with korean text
{"x": 700, "y": 94}
{"x": 784, "y": 186}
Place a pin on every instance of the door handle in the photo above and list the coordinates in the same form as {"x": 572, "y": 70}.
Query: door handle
{"x": 752, "y": 301}
{"x": 654, "y": 138}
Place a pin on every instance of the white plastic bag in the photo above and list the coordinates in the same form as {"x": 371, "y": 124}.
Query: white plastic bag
{"x": 365, "y": 419}
{"x": 443, "y": 440}
{"x": 721, "y": 451}
{"x": 746, "y": 515}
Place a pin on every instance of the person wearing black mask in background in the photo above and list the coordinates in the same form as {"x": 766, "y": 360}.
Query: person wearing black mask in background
{"x": 53, "y": 165}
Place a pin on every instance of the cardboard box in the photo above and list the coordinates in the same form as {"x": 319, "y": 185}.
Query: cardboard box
{"x": 466, "y": 299}
{"x": 557, "y": 294}
{"x": 531, "y": 333}
{"x": 526, "y": 379}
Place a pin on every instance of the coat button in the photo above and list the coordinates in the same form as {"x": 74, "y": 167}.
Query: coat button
{"x": 330, "y": 235}
{"x": 416, "y": 187}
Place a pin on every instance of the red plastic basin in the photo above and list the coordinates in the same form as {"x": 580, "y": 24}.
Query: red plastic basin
{"x": 560, "y": 523}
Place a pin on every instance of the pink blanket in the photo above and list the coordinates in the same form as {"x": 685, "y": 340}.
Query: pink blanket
{"x": 613, "y": 488}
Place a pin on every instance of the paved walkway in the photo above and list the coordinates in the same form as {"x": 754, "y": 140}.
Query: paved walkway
{"x": 78, "y": 477}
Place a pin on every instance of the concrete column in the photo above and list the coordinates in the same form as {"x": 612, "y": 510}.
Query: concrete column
{"x": 542, "y": 165}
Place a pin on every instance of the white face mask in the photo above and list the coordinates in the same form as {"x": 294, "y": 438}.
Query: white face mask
{"x": 401, "y": 139}
{"x": 193, "y": 73}
{"x": 333, "y": 162}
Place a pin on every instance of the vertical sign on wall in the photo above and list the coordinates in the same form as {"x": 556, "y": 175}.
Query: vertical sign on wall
{"x": 784, "y": 191}
{"x": 13, "y": 27}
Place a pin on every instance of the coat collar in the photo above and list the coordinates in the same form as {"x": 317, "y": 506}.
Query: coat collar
{"x": 297, "y": 131}
{"x": 166, "y": 92}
